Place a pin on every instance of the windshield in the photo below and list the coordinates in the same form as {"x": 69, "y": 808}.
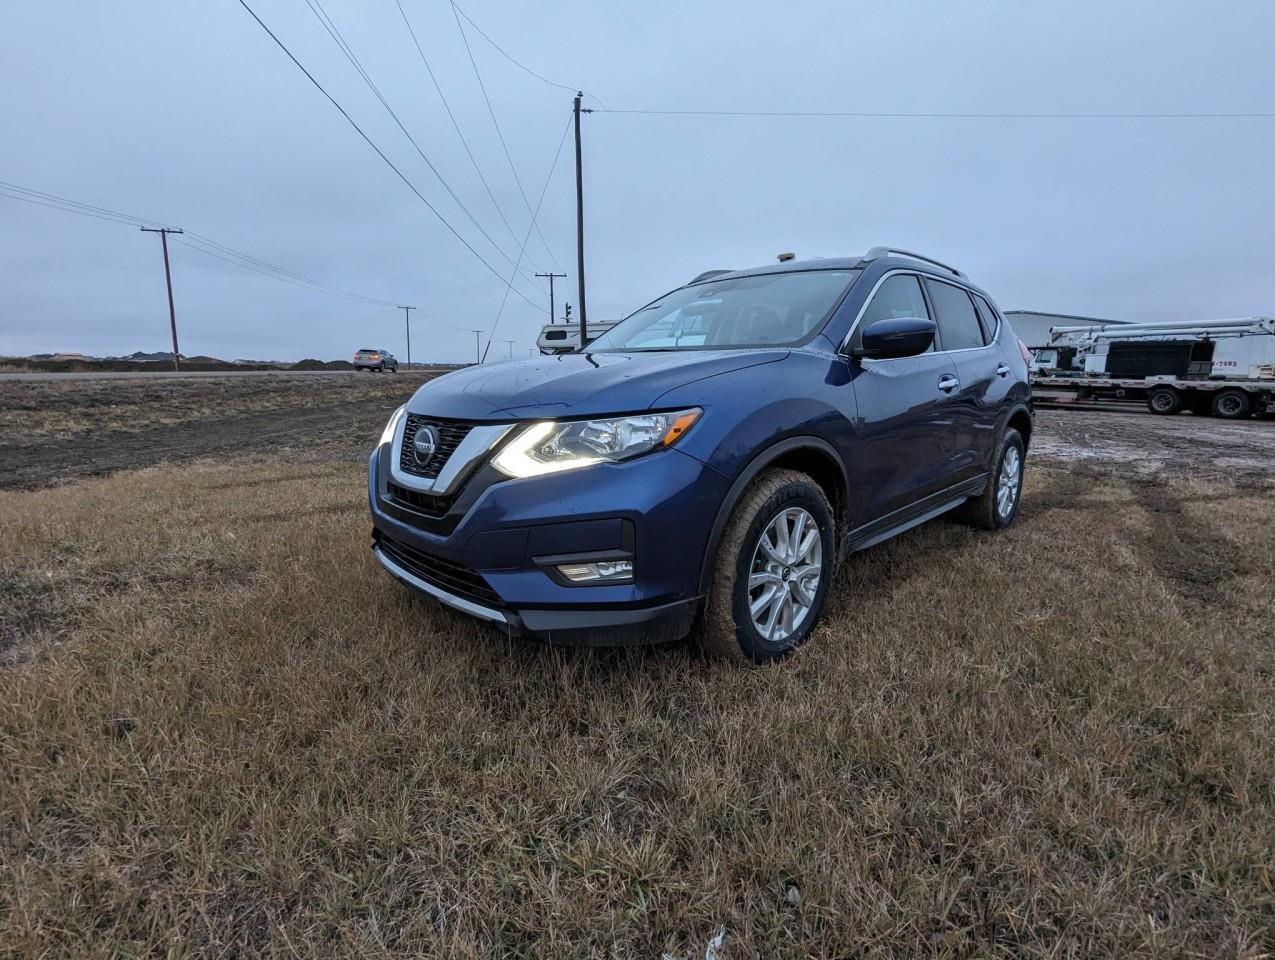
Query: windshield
{"x": 774, "y": 309}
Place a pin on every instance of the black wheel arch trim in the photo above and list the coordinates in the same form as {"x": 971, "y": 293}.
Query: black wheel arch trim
{"x": 1018, "y": 407}
{"x": 746, "y": 476}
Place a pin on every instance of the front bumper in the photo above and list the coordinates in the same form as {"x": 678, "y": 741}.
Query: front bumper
{"x": 485, "y": 554}
{"x": 567, "y": 627}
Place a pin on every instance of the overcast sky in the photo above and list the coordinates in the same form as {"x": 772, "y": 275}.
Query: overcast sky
{"x": 187, "y": 113}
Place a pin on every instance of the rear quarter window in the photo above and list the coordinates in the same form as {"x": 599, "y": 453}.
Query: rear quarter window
{"x": 987, "y": 316}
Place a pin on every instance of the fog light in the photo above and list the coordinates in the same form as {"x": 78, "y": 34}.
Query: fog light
{"x": 598, "y": 571}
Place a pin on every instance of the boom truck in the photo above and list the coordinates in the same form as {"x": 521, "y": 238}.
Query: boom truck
{"x": 1222, "y": 368}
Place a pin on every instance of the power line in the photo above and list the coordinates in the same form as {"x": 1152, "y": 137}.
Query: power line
{"x": 380, "y": 153}
{"x": 285, "y": 274}
{"x": 201, "y": 243}
{"x": 864, "y": 115}
{"x": 521, "y": 66}
{"x": 328, "y": 24}
{"x": 545, "y": 189}
{"x": 17, "y": 192}
{"x": 500, "y": 134}
{"x": 456, "y": 125}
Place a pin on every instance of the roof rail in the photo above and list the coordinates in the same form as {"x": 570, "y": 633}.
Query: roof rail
{"x": 711, "y": 273}
{"x": 877, "y": 253}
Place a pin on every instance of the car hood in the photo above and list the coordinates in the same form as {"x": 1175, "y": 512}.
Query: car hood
{"x": 574, "y": 384}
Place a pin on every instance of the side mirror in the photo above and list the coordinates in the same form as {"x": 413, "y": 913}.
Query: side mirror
{"x": 896, "y": 337}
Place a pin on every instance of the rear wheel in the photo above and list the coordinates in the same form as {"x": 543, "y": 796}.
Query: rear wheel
{"x": 1164, "y": 400}
{"x": 996, "y": 507}
{"x": 1232, "y": 404}
{"x": 774, "y": 567}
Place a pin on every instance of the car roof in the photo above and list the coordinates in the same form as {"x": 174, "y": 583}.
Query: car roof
{"x": 872, "y": 258}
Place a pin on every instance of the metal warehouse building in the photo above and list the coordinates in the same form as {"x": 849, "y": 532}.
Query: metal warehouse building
{"x": 1032, "y": 326}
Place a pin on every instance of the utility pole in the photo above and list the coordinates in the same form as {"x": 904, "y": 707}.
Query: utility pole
{"x": 168, "y": 278}
{"x": 478, "y": 347}
{"x": 511, "y": 348}
{"x": 580, "y": 224}
{"x": 551, "y": 276}
{"x": 407, "y": 323}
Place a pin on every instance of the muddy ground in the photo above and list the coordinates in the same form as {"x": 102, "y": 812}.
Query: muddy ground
{"x": 55, "y": 432}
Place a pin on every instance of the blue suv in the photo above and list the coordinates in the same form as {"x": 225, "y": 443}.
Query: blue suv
{"x": 707, "y": 463}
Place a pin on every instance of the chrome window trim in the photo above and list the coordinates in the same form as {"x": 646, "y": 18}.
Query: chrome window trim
{"x": 845, "y": 343}
{"x": 439, "y": 594}
{"x": 480, "y": 439}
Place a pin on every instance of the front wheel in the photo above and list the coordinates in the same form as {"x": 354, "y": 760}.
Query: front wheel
{"x": 773, "y": 570}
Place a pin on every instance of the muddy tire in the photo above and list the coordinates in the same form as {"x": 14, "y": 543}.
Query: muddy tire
{"x": 1164, "y": 401}
{"x": 1232, "y": 404}
{"x": 765, "y": 599}
{"x": 997, "y": 506}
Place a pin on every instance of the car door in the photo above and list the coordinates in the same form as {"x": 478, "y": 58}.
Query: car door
{"x": 905, "y": 439}
{"x": 978, "y": 364}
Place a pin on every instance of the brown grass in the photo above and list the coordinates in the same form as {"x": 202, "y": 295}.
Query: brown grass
{"x": 225, "y": 731}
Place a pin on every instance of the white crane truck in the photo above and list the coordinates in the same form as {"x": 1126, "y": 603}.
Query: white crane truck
{"x": 1220, "y": 368}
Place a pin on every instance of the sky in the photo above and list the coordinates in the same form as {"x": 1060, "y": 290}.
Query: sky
{"x": 188, "y": 114}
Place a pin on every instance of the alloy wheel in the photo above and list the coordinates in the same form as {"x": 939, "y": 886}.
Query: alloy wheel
{"x": 1008, "y": 482}
{"x": 784, "y": 576}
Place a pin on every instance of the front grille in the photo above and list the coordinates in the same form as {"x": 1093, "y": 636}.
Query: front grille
{"x": 446, "y": 574}
{"x": 450, "y": 434}
{"x": 426, "y": 504}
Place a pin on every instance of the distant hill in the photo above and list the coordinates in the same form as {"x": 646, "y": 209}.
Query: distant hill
{"x": 161, "y": 360}
{"x": 142, "y": 362}
{"x": 166, "y": 355}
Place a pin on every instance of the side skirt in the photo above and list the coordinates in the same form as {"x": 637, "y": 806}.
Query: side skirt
{"x": 923, "y": 511}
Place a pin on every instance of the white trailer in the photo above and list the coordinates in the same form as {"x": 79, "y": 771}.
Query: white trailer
{"x": 1224, "y": 368}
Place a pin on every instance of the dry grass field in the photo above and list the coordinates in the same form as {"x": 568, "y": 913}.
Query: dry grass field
{"x": 224, "y": 731}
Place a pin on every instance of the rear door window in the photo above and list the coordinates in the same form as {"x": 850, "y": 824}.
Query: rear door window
{"x": 959, "y": 328}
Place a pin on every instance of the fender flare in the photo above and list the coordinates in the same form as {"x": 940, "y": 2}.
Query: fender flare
{"x": 746, "y": 476}
{"x": 1019, "y": 406}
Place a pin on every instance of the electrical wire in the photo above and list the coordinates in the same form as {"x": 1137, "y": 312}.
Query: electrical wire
{"x": 16, "y": 192}
{"x": 194, "y": 240}
{"x": 328, "y": 24}
{"x": 521, "y": 66}
{"x": 317, "y": 288}
{"x": 543, "y": 190}
{"x": 213, "y": 249}
{"x": 456, "y": 125}
{"x": 864, "y": 115}
{"x": 380, "y": 153}
{"x": 500, "y": 134}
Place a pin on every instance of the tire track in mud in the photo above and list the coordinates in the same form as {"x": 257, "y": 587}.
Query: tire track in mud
{"x": 1189, "y": 554}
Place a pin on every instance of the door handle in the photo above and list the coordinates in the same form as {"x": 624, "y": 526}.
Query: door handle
{"x": 948, "y": 383}
{"x": 1002, "y": 370}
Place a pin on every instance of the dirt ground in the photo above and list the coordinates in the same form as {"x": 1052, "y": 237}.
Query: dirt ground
{"x": 1140, "y": 444}
{"x": 54, "y": 432}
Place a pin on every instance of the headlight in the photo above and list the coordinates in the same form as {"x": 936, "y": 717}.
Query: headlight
{"x": 550, "y": 446}
{"x": 388, "y": 433}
